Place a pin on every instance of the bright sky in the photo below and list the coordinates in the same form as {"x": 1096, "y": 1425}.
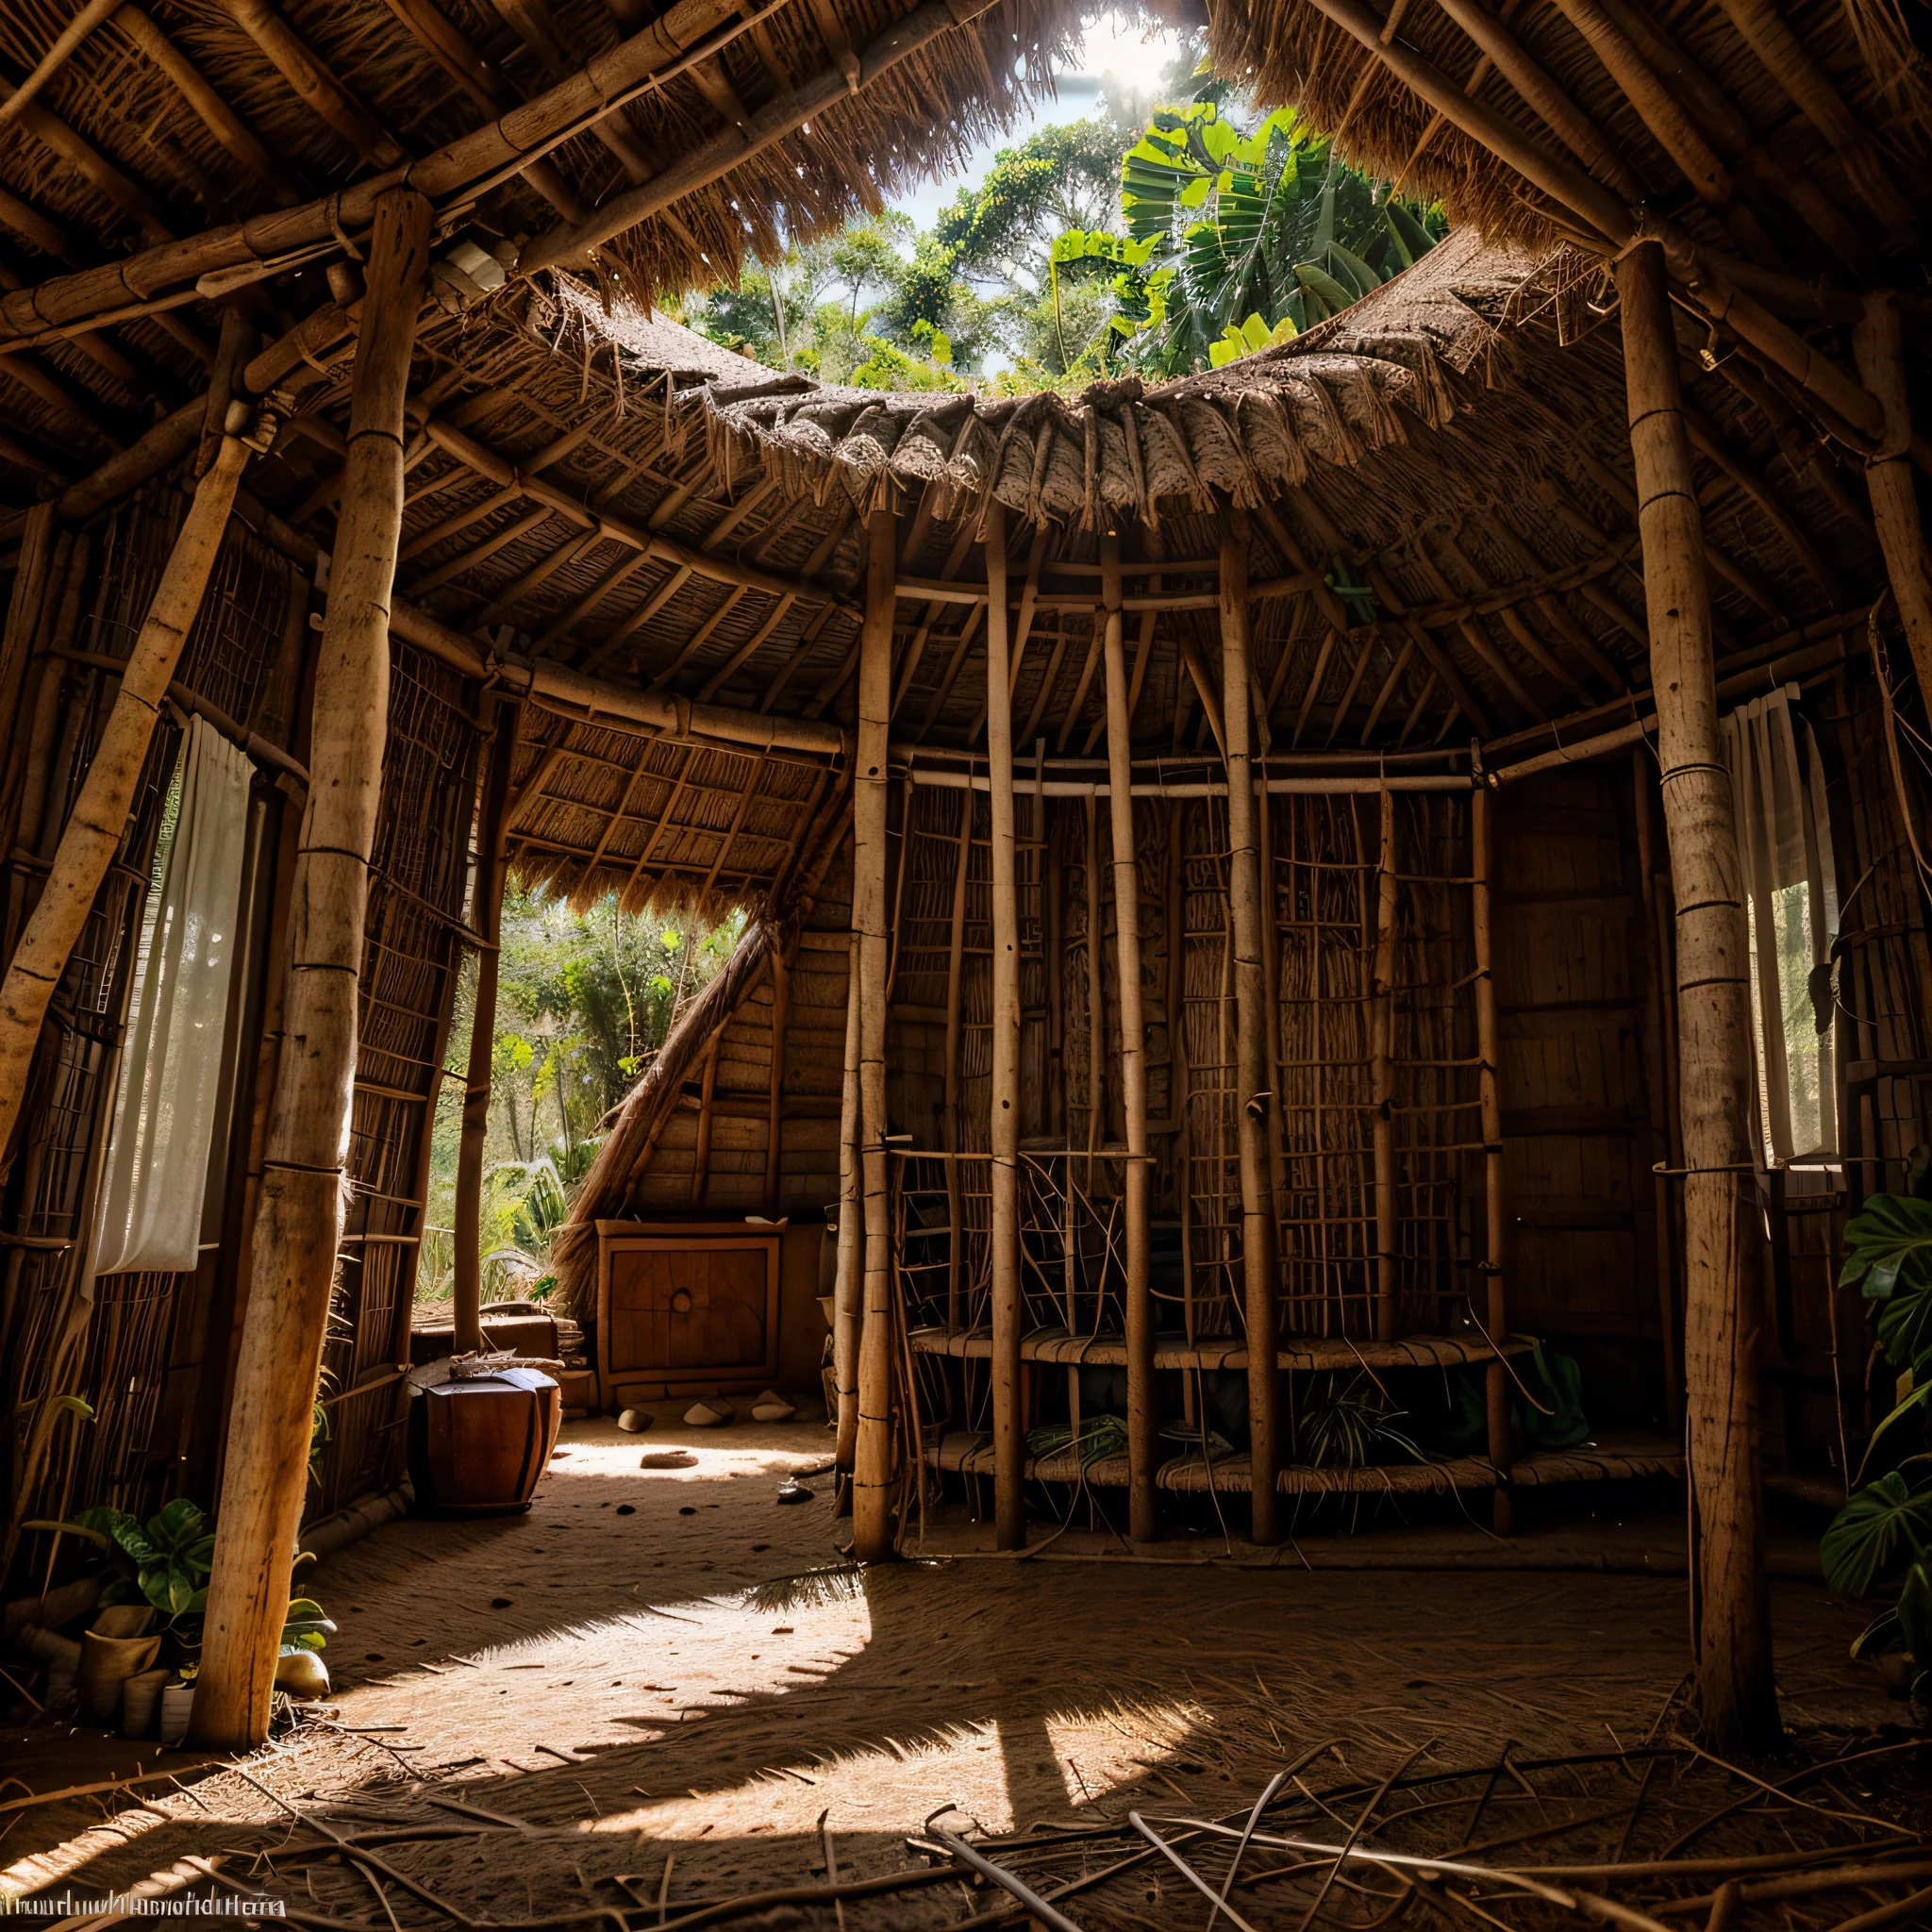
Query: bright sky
{"x": 1132, "y": 54}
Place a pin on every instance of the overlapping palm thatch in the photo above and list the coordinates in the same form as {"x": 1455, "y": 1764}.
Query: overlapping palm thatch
{"x": 165, "y": 157}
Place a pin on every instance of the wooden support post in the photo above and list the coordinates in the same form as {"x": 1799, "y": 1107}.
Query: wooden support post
{"x": 93, "y": 832}
{"x": 775, "y": 1130}
{"x": 1254, "y": 1092}
{"x": 1731, "y": 1609}
{"x": 956, "y": 962}
{"x": 701, "y": 1158}
{"x": 1482, "y": 811}
{"x": 298, "y": 1222}
{"x": 872, "y": 1500}
{"x": 1660, "y": 1072}
{"x": 1096, "y": 993}
{"x": 846, "y": 1289}
{"x": 1144, "y": 1412}
{"x": 1880, "y": 343}
{"x": 492, "y": 862}
{"x": 1382, "y": 1074}
{"x": 1010, "y": 1446}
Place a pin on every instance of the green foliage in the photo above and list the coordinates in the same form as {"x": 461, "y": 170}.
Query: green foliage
{"x": 1097, "y": 1438}
{"x": 1883, "y": 1535}
{"x": 1883, "y": 1530}
{"x": 164, "y": 1562}
{"x": 1344, "y": 1422}
{"x": 1890, "y": 1259}
{"x": 1267, "y": 232}
{"x": 305, "y": 1626}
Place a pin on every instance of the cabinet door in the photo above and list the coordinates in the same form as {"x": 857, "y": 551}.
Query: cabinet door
{"x": 678, "y": 1308}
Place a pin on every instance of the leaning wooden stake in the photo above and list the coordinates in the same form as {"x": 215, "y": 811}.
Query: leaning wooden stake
{"x": 1730, "y": 1605}
{"x": 1382, "y": 1075}
{"x": 1879, "y": 342}
{"x": 1253, "y": 1088}
{"x": 1495, "y": 1200}
{"x": 1144, "y": 1408}
{"x": 491, "y": 856}
{"x": 299, "y": 1219}
{"x": 871, "y": 1493}
{"x": 1008, "y": 1444}
{"x": 93, "y": 829}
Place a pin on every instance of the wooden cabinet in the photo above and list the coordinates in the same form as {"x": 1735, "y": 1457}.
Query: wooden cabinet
{"x": 690, "y": 1307}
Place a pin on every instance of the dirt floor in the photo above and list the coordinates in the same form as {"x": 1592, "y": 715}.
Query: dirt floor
{"x": 642, "y": 1679}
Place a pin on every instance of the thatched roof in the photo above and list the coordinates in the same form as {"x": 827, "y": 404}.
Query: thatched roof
{"x": 1805, "y": 109}
{"x": 1443, "y": 545}
{"x": 182, "y": 143}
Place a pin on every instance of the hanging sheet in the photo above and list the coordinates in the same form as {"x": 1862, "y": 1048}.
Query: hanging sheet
{"x": 171, "y": 1062}
{"x": 1784, "y": 842}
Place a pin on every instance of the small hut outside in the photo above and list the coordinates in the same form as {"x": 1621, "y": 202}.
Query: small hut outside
{"x": 1283, "y": 910}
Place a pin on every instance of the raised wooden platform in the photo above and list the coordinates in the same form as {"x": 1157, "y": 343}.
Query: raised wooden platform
{"x": 1301, "y": 1352}
{"x": 1619, "y": 1458}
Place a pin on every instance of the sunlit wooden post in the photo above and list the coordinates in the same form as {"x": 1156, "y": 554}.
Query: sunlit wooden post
{"x": 1254, "y": 1095}
{"x": 466, "y": 1299}
{"x": 1144, "y": 1417}
{"x": 871, "y": 1493}
{"x": 1008, "y": 1437}
{"x": 298, "y": 1221}
{"x": 1731, "y": 1606}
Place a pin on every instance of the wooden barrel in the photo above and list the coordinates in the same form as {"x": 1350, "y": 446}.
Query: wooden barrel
{"x": 478, "y": 1444}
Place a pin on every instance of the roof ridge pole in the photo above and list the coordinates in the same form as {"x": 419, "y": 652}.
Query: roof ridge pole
{"x": 1252, "y": 1084}
{"x": 1143, "y": 1415}
{"x": 298, "y": 1220}
{"x": 872, "y": 1501}
{"x": 1730, "y": 1605}
{"x": 1008, "y": 1440}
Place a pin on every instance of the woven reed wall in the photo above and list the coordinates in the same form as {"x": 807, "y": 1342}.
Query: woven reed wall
{"x": 138, "y": 1350}
{"x": 412, "y": 953}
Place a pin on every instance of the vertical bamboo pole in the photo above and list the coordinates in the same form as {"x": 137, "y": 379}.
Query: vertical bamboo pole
{"x": 1880, "y": 343}
{"x": 1382, "y": 1075}
{"x": 872, "y": 1511}
{"x": 775, "y": 1127}
{"x": 1143, "y": 1416}
{"x": 491, "y": 858}
{"x": 848, "y": 1318}
{"x": 1663, "y": 1086}
{"x": 298, "y": 1221}
{"x": 1009, "y": 1443}
{"x": 1253, "y": 1088}
{"x": 1731, "y": 1610}
{"x": 93, "y": 832}
{"x": 956, "y": 962}
{"x": 1490, "y": 1096}
{"x": 701, "y": 1158}
{"x": 1096, "y": 996}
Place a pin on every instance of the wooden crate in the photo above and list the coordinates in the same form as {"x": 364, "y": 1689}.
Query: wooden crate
{"x": 687, "y": 1307}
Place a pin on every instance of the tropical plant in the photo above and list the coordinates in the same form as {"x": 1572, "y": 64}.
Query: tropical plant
{"x": 1345, "y": 1423}
{"x": 1883, "y": 1535}
{"x": 1239, "y": 239}
{"x": 164, "y": 1562}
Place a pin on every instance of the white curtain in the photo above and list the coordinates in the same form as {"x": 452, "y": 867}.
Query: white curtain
{"x": 171, "y": 1060}
{"x": 1784, "y": 841}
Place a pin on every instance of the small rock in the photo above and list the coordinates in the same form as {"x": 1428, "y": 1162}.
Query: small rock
{"x": 793, "y": 1491}
{"x": 667, "y": 1458}
{"x": 771, "y": 1408}
{"x": 626, "y": 1508}
{"x": 713, "y": 1413}
{"x": 634, "y": 1421}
